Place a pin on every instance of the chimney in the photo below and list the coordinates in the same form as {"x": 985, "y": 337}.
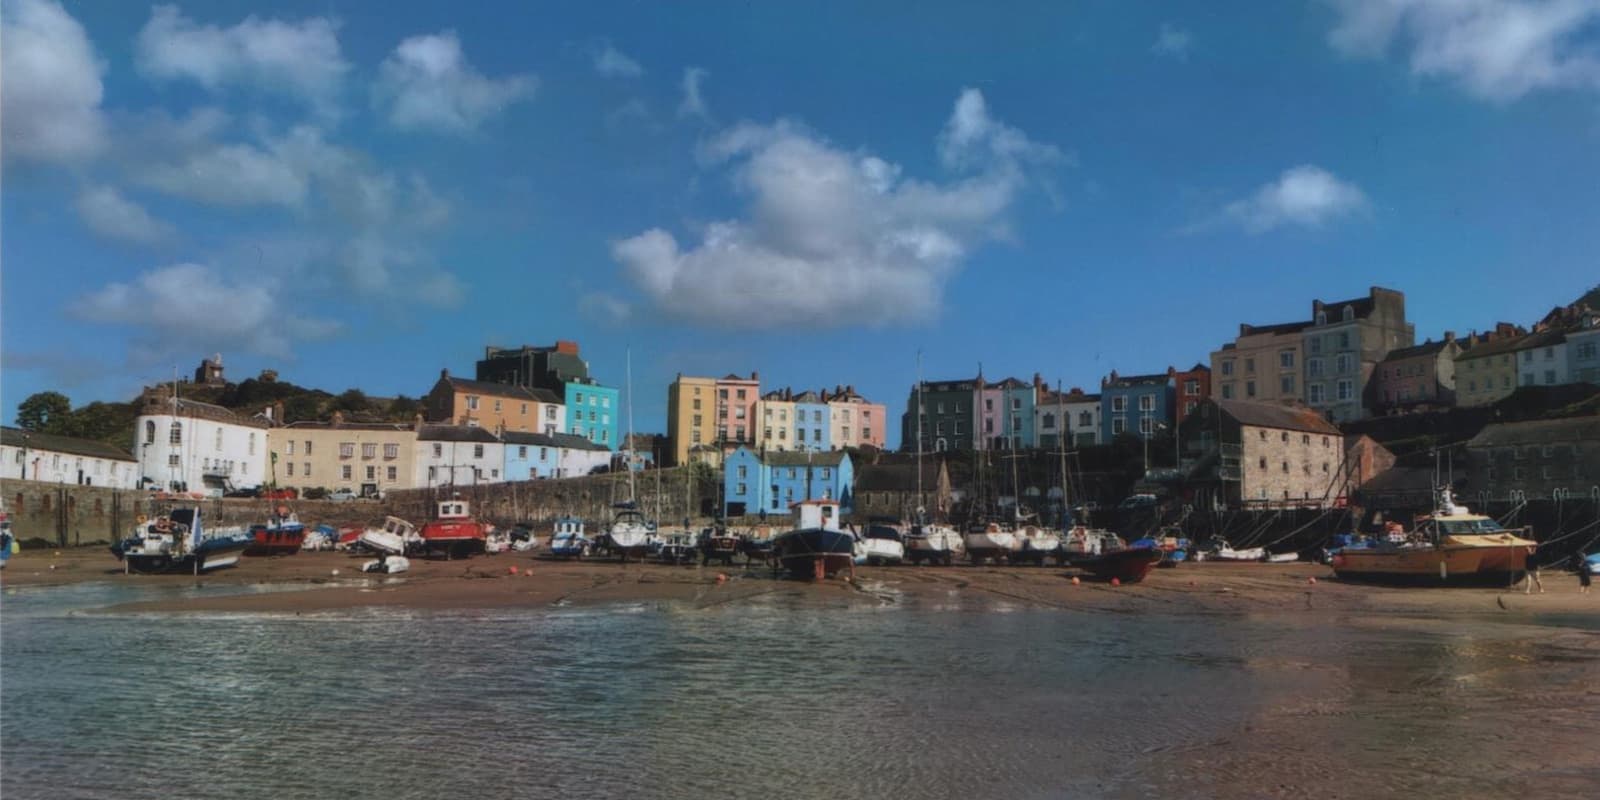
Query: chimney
{"x": 1449, "y": 336}
{"x": 444, "y": 373}
{"x": 416, "y": 422}
{"x": 1038, "y": 380}
{"x": 568, "y": 347}
{"x": 755, "y": 376}
{"x": 277, "y": 412}
{"x": 338, "y": 419}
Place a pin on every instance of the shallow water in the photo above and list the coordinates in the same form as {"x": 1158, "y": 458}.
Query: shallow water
{"x": 756, "y": 700}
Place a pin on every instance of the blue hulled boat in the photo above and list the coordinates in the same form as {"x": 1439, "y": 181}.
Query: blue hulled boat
{"x": 178, "y": 543}
{"x": 816, "y": 547}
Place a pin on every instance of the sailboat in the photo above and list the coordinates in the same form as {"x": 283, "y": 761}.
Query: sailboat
{"x": 926, "y": 541}
{"x": 1035, "y": 543}
{"x": 629, "y": 534}
{"x": 986, "y": 537}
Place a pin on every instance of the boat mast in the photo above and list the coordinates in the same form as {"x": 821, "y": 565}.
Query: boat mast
{"x": 632, "y": 495}
{"x": 1061, "y": 439}
{"x": 921, "y": 501}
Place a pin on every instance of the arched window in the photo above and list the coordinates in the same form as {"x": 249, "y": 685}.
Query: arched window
{"x": 1349, "y": 313}
{"x": 939, "y": 446}
{"x": 149, "y": 431}
{"x": 175, "y": 436}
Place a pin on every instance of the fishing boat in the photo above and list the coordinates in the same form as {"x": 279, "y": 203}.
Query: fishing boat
{"x": 523, "y": 539}
{"x": 1450, "y": 546}
{"x": 281, "y": 535}
{"x": 1125, "y": 564}
{"x": 1172, "y": 545}
{"x": 716, "y": 542}
{"x": 177, "y": 542}
{"x": 881, "y": 544}
{"x": 395, "y": 536}
{"x": 495, "y": 541}
{"x": 567, "y": 539}
{"x": 677, "y": 547}
{"x": 1222, "y": 551}
{"x": 8, "y": 540}
{"x": 816, "y": 547}
{"x": 453, "y": 531}
{"x": 756, "y": 544}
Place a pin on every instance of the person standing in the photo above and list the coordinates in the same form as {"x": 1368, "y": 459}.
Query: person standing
{"x": 1585, "y": 574}
{"x": 1531, "y": 571}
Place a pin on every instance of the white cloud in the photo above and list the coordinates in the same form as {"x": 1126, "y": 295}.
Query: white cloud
{"x": 50, "y": 89}
{"x": 835, "y": 237}
{"x": 427, "y": 84}
{"x": 1172, "y": 41}
{"x": 112, "y": 216}
{"x": 230, "y": 175}
{"x": 605, "y": 305}
{"x": 190, "y": 308}
{"x": 613, "y": 63}
{"x": 299, "y": 59}
{"x": 693, "y": 103}
{"x": 1499, "y": 50}
{"x": 1305, "y": 195}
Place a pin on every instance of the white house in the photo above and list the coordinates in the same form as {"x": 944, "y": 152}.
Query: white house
{"x": 188, "y": 446}
{"x": 26, "y": 455}
{"x": 1583, "y": 351}
{"x": 458, "y": 455}
{"x": 579, "y": 456}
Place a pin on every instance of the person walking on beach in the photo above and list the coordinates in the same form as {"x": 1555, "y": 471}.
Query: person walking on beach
{"x": 1585, "y": 574}
{"x": 1532, "y": 573}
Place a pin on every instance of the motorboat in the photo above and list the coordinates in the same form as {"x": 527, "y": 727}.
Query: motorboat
{"x": 396, "y": 536}
{"x": 816, "y": 547}
{"x": 677, "y": 547}
{"x": 523, "y": 539}
{"x": 717, "y": 542}
{"x": 881, "y": 544}
{"x": 567, "y": 539}
{"x": 178, "y": 542}
{"x": 281, "y": 535}
{"x": 1450, "y": 546}
{"x": 453, "y": 531}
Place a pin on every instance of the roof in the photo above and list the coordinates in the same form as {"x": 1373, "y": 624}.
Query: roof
{"x": 502, "y": 390}
{"x": 1136, "y": 380}
{"x": 1542, "y": 431}
{"x": 1279, "y": 416}
{"x": 1424, "y": 349}
{"x": 32, "y": 440}
{"x": 566, "y": 441}
{"x": 816, "y": 458}
{"x": 1513, "y": 344}
{"x": 158, "y": 404}
{"x": 1198, "y": 367}
{"x": 1281, "y": 327}
{"x": 1335, "y": 310}
{"x": 572, "y": 441}
{"x": 455, "y": 433}
{"x": 350, "y": 426}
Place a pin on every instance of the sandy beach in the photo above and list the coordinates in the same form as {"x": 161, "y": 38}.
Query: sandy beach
{"x": 333, "y": 581}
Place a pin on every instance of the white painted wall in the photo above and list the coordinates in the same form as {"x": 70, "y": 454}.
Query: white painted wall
{"x": 206, "y": 446}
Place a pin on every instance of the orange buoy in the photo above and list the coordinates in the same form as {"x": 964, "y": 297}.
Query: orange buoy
{"x": 722, "y": 577}
{"x": 1116, "y": 581}
{"x": 1312, "y": 580}
{"x": 513, "y": 569}
{"x": 1075, "y": 580}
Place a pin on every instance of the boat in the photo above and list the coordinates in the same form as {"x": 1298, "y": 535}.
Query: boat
{"x": 178, "y": 542}
{"x": 934, "y": 544}
{"x": 629, "y": 534}
{"x": 8, "y": 540}
{"x": 716, "y": 542}
{"x": 1223, "y": 551}
{"x": 453, "y": 531}
{"x": 523, "y": 539}
{"x": 281, "y": 535}
{"x": 322, "y": 537}
{"x": 1281, "y": 558}
{"x": 677, "y": 547}
{"x": 1035, "y": 544}
{"x": 881, "y": 544}
{"x": 1451, "y": 546}
{"x": 756, "y": 544}
{"x": 495, "y": 541}
{"x": 1172, "y": 545}
{"x": 395, "y": 536}
{"x": 567, "y": 539}
{"x": 816, "y": 547}
{"x": 1124, "y": 564}
{"x": 989, "y": 540}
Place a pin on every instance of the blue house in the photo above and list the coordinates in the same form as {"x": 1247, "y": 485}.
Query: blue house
{"x": 811, "y": 422}
{"x": 593, "y": 412}
{"x": 1138, "y": 404}
{"x": 755, "y": 484}
{"x": 530, "y": 456}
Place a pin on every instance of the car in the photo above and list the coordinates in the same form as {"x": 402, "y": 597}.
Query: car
{"x": 254, "y": 491}
{"x": 341, "y": 495}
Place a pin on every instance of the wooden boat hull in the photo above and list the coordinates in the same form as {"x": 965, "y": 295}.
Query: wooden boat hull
{"x": 814, "y": 552}
{"x": 1433, "y": 566}
{"x": 454, "y": 538}
{"x": 1130, "y": 565}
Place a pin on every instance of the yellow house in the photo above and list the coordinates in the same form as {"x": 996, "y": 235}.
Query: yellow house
{"x": 1486, "y": 373}
{"x": 364, "y": 457}
{"x": 691, "y": 402}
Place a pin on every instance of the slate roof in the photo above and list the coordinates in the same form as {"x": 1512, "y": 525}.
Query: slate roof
{"x": 502, "y": 390}
{"x": 1424, "y": 349}
{"x": 1513, "y": 345}
{"x": 455, "y": 433}
{"x": 1278, "y": 416}
{"x": 1542, "y": 431}
{"x": 14, "y": 437}
{"x": 350, "y": 426}
{"x": 567, "y": 441}
{"x": 897, "y": 477}
{"x": 827, "y": 458}
{"x": 1281, "y": 327}
{"x": 1139, "y": 380}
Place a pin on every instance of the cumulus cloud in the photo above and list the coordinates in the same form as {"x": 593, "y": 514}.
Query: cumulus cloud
{"x": 427, "y": 84}
{"x": 1499, "y": 50}
{"x": 112, "y": 216}
{"x": 833, "y": 236}
{"x": 191, "y": 307}
{"x": 1306, "y": 195}
{"x": 693, "y": 103}
{"x": 298, "y": 59}
{"x": 613, "y": 63}
{"x": 50, "y": 89}
{"x": 230, "y": 175}
{"x": 1172, "y": 41}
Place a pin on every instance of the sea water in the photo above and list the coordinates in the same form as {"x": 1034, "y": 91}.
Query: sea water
{"x": 764, "y": 699}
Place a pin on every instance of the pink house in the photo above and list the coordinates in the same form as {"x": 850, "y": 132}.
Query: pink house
{"x": 736, "y": 408}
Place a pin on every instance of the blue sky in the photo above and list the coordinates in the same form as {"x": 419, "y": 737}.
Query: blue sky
{"x": 359, "y": 194}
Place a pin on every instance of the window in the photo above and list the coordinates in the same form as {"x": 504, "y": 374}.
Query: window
{"x": 1586, "y": 351}
{"x": 372, "y": 473}
{"x": 290, "y": 468}
{"x": 1249, "y": 388}
{"x": 544, "y": 454}
{"x": 1249, "y": 366}
{"x": 1191, "y": 388}
{"x": 1227, "y": 391}
{"x": 218, "y": 445}
{"x": 1016, "y": 424}
{"x": 524, "y": 410}
{"x": 827, "y": 473}
{"x": 1147, "y": 403}
{"x": 472, "y": 402}
{"x": 741, "y": 489}
{"x": 391, "y": 452}
{"x": 1286, "y": 384}
{"x": 1085, "y": 419}
{"x": 1144, "y": 425}
{"x": 1549, "y": 377}
{"x": 1346, "y": 390}
{"x": 988, "y": 404}
{"x": 550, "y": 413}
{"x": 1016, "y": 404}
{"x": 1527, "y": 379}
{"x": 433, "y": 474}
{"x": 739, "y": 394}
{"x": 1527, "y": 356}
{"x": 394, "y": 473}
{"x": 1314, "y": 393}
{"x": 369, "y": 451}
{"x": 1286, "y": 359}
{"x": 1262, "y": 462}
{"x": 1048, "y": 422}
{"x": 308, "y": 447}
{"x": 1315, "y": 344}
{"x": 1119, "y": 405}
{"x": 175, "y": 435}
{"x": 1286, "y": 468}
{"x": 1322, "y": 317}
{"x": 845, "y": 432}
{"x": 742, "y": 472}
{"x": 1314, "y": 367}
{"x": 344, "y": 471}
{"x": 347, "y": 449}
{"x": 172, "y": 461}
{"x": 252, "y": 444}
{"x": 497, "y": 405}
{"x": 1341, "y": 362}
{"x": 477, "y": 451}
{"x": 1227, "y": 367}
{"x": 1117, "y": 426}
{"x": 1344, "y": 339}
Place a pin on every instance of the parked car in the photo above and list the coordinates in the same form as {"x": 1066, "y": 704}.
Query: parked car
{"x": 281, "y": 494}
{"x": 341, "y": 495}
{"x": 1138, "y": 501}
{"x": 254, "y": 491}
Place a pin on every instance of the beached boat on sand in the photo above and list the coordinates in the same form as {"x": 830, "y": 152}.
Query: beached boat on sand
{"x": 453, "y": 531}
{"x": 816, "y": 546}
{"x": 1450, "y": 546}
{"x": 718, "y": 543}
{"x": 567, "y": 539}
{"x": 177, "y": 542}
{"x": 881, "y": 544}
{"x": 282, "y": 535}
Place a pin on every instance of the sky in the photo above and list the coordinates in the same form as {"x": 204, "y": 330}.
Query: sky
{"x": 360, "y": 194}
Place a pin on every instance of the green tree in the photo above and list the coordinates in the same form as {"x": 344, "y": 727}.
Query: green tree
{"x": 403, "y": 408}
{"x": 353, "y": 401}
{"x": 45, "y": 412}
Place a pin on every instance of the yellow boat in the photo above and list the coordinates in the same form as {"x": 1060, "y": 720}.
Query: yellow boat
{"x": 1451, "y": 546}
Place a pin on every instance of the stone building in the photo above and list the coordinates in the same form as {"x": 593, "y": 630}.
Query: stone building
{"x": 891, "y": 490}
{"x": 947, "y": 416}
{"x": 1538, "y": 459}
{"x": 1263, "y": 454}
{"x": 1417, "y": 378}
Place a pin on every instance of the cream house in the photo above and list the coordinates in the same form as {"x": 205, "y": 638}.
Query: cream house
{"x": 367, "y": 458}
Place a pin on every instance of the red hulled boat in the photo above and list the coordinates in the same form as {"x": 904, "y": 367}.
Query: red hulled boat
{"x": 281, "y": 535}
{"x": 1128, "y": 565}
{"x": 454, "y": 532}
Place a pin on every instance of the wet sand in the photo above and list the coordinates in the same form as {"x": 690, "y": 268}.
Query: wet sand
{"x": 333, "y": 581}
